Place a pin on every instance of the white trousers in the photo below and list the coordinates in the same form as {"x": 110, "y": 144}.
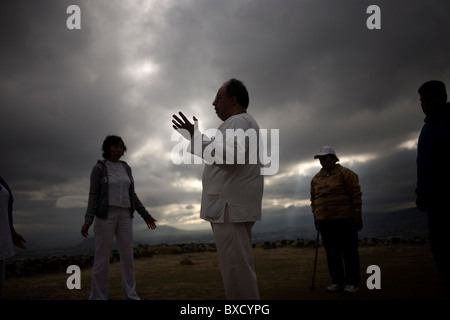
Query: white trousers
{"x": 234, "y": 250}
{"x": 119, "y": 224}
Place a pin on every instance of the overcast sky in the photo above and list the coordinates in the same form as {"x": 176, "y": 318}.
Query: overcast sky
{"x": 313, "y": 70}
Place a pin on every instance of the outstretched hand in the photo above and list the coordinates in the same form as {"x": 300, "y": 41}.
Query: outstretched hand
{"x": 184, "y": 124}
{"x": 18, "y": 240}
{"x": 420, "y": 203}
{"x": 150, "y": 222}
{"x": 85, "y": 228}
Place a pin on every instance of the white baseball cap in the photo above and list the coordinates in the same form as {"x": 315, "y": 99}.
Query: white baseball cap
{"x": 324, "y": 150}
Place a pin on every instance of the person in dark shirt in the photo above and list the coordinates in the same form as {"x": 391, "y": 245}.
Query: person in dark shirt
{"x": 433, "y": 178}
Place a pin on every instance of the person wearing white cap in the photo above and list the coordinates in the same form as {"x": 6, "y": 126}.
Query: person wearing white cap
{"x": 336, "y": 201}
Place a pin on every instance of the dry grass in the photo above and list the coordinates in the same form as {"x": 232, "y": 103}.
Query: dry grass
{"x": 407, "y": 273}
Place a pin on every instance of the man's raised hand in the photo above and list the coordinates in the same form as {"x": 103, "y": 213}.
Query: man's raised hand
{"x": 184, "y": 124}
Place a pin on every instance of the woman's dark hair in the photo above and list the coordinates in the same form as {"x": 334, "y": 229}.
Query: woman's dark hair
{"x": 235, "y": 88}
{"x": 111, "y": 141}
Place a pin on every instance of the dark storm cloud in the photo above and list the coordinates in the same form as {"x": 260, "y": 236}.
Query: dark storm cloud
{"x": 313, "y": 69}
{"x": 50, "y": 110}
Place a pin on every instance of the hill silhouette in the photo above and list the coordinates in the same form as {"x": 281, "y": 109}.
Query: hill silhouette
{"x": 291, "y": 223}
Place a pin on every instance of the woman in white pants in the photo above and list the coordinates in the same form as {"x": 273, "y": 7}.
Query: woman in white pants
{"x": 112, "y": 202}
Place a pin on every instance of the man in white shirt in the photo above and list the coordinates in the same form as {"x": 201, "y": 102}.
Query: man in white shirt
{"x": 232, "y": 186}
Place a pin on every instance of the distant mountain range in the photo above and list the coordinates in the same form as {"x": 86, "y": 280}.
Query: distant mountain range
{"x": 289, "y": 224}
{"x": 408, "y": 223}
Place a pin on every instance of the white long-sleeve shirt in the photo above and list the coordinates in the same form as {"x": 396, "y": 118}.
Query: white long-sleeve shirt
{"x": 229, "y": 181}
{"x": 119, "y": 184}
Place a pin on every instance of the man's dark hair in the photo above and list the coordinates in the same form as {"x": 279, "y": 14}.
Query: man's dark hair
{"x": 235, "y": 88}
{"x": 434, "y": 87}
{"x": 111, "y": 141}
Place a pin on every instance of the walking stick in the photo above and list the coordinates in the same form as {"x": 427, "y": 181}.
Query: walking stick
{"x": 315, "y": 261}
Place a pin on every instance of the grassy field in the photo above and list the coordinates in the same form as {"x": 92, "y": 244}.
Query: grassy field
{"x": 408, "y": 272}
